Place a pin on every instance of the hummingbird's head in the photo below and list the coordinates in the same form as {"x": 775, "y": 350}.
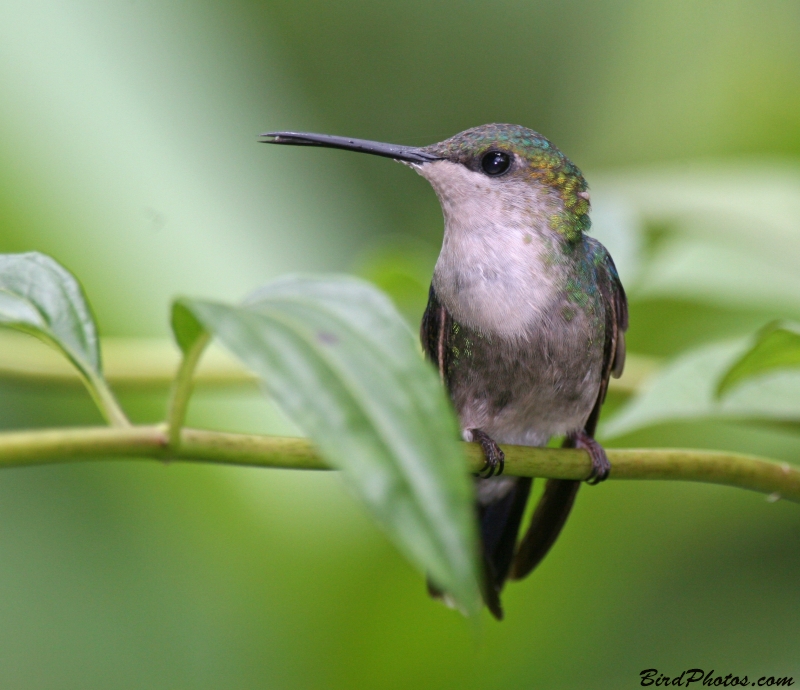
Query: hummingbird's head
{"x": 492, "y": 173}
{"x": 514, "y": 165}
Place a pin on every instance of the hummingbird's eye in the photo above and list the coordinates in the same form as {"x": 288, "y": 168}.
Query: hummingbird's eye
{"x": 495, "y": 162}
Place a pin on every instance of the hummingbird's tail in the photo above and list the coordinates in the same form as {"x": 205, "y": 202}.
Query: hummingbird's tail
{"x": 501, "y": 505}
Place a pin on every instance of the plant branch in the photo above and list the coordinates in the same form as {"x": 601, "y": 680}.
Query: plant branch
{"x": 24, "y": 448}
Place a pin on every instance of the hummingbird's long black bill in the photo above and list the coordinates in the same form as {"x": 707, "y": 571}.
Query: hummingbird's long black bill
{"x": 409, "y": 154}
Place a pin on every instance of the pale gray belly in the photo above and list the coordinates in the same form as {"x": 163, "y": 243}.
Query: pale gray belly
{"x": 527, "y": 390}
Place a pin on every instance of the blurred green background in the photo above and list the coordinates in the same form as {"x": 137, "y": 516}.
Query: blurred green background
{"x": 128, "y": 152}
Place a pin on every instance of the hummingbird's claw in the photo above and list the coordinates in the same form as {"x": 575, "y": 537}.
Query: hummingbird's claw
{"x": 495, "y": 457}
{"x": 601, "y": 467}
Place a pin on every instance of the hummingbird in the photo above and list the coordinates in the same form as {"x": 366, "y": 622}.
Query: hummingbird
{"x": 525, "y": 322}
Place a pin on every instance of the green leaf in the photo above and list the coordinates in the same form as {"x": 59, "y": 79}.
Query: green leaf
{"x": 777, "y": 346}
{"x": 338, "y": 358}
{"x": 40, "y": 297}
{"x": 686, "y": 390}
{"x": 186, "y": 327}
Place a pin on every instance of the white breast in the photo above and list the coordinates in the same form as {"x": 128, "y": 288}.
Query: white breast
{"x": 495, "y": 272}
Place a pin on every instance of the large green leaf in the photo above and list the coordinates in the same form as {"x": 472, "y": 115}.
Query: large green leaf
{"x": 40, "y": 297}
{"x": 686, "y": 389}
{"x": 336, "y": 355}
{"x": 776, "y": 347}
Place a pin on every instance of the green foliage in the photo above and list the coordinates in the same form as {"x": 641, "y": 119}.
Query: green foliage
{"x": 129, "y": 154}
{"x": 337, "y": 357}
{"x": 688, "y": 387}
{"x": 40, "y": 297}
{"x": 777, "y": 346}
{"x": 683, "y": 390}
{"x": 708, "y": 276}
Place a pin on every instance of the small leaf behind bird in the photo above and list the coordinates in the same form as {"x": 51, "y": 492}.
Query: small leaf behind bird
{"x": 777, "y": 346}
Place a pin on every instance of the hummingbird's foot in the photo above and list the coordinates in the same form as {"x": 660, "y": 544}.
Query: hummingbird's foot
{"x": 495, "y": 458}
{"x": 600, "y": 464}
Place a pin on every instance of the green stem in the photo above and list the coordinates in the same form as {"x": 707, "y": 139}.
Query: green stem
{"x": 182, "y": 389}
{"x": 24, "y": 448}
{"x": 93, "y": 381}
{"x": 106, "y": 401}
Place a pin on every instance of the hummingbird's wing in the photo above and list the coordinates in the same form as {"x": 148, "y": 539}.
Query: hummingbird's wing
{"x": 554, "y": 506}
{"x": 500, "y": 500}
{"x": 436, "y": 325}
{"x": 615, "y": 305}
